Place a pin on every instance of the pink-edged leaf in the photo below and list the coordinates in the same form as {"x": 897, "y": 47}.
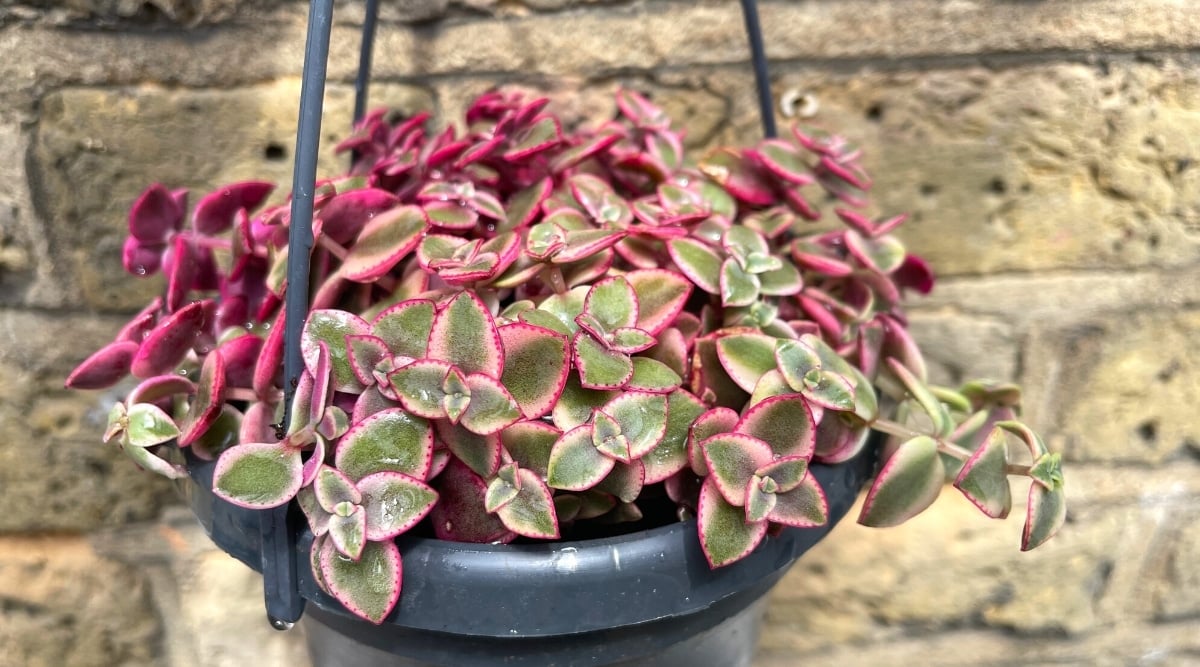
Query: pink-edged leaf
{"x": 258, "y": 475}
{"x": 405, "y": 327}
{"x": 783, "y": 160}
{"x": 206, "y": 405}
{"x": 334, "y": 423}
{"x": 240, "y": 355}
{"x": 576, "y": 403}
{"x": 732, "y": 459}
{"x": 938, "y": 413}
{"x": 613, "y": 303}
{"x": 746, "y": 357}
{"x": 314, "y": 464}
{"x": 384, "y": 241}
{"x": 642, "y": 418}
{"x": 348, "y": 532}
{"x": 785, "y": 423}
{"x": 318, "y": 518}
{"x": 736, "y": 173}
{"x": 641, "y": 111}
{"x": 899, "y": 344}
{"x": 812, "y": 257}
{"x": 459, "y": 514}
{"x": 713, "y": 422}
{"x": 529, "y": 444}
{"x": 148, "y": 460}
{"x": 881, "y": 255}
{"x": 371, "y": 401}
{"x": 215, "y": 212}
{"x": 700, "y": 263}
{"x": 575, "y": 464}
{"x": 1046, "y": 514}
{"x": 450, "y": 215}
{"x": 608, "y": 439}
{"x": 671, "y": 351}
{"x": 671, "y": 454}
{"x": 502, "y": 490}
{"x": 394, "y": 503}
{"x": 147, "y": 426}
{"x": 725, "y": 537}
{"x": 600, "y": 368}
{"x": 389, "y": 440}
{"x": 802, "y": 507}
{"x": 169, "y": 342}
{"x": 152, "y": 390}
{"x": 535, "y": 366}
{"x": 906, "y": 484}
{"x": 365, "y": 352}
{"x": 482, "y": 453}
{"x": 760, "y": 498}
{"x": 345, "y": 214}
{"x": 661, "y": 295}
{"x": 1037, "y": 448}
{"x": 532, "y": 512}
{"x": 597, "y": 197}
{"x": 486, "y": 204}
{"x": 709, "y": 379}
{"x": 331, "y": 327}
{"x": 257, "y": 423}
{"x": 104, "y": 368}
{"x": 983, "y": 479}
{"x": 419, "y": 387}
{"x": 784, "y": 281}
{"x": 738, "y": 288}
{"x": 840, "y": 437}
{"x": 567, "y": 158}
{"x": 583, "y": 244}
{"x": 368, "y": 587}
{"x": 155, "y": 214}
{"x": 625, "y": 481}
{"x": 270, "y": 361}
{"x": 770, "y": 384}
{"x": 523, "y": 206}
{"x": 464, "y": 334}
{"x": 333, "y": 488}
{"x": 629, "y": 340}
{"x": 542, "y": 134}
{"x": 491, "y": 407}
{"x": 785, "y": 473}
{"x": 653, "y": 377}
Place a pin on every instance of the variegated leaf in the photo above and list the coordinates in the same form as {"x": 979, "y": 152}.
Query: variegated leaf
{"x": 491, "y": 407}
{"x": 536, "y": 366}
{"x": 349, "y": 531}
{"x": 147, "y": 425}
{"x": 331, "y": 327}
{"x": 700, "y": 263}
{"x": 906, "y": 484}
{"x": 661, "y": 295}
{"x": 258, "y": 475}
{"x": 600, "y": 368}
{"x": 746, "y": 357}
{"x": 531, "y": 513}
{"x": 384, "y": 241}
{"x": 481, "y": 453}
{"x": 388, "y": 440}
{"x": 393, "y": 503}
{"x": 983, "y": 479}
{"x": 732, "y": 459}
{"x": 529, "y": 444}
{"x": 802, "y": 507}
{"x": 725, "y": 537}
{"x": 575, "y": 463}
{"x": 464, "y": 334}
{"x": 713, "y": 422}
{"x": 368, "y": 587}
{"x": 1046, "y": 514}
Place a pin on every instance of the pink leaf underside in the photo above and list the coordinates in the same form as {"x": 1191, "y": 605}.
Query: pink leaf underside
{"x": 385, "y": 240}
{"x": 104, "y": 368}
{"x": 241, "y": 355}
{"x": 535, "y": 366}
{"x": 345, "y": 215}
{"x": 661, "y": 295}
{"x": 839, "y": 441}
{"x": 155, "y": 214}
{"x": 459, "y": 514}
{"x": 141, "y": 324}
{"x": 369, "y": 587}
{"x": 331, "y": 327}
{"x": 206, "y": 404}
{"x": 732, "y": 459}
{"x": 391, "y": 440}
{"x": 394, "y": 503}
{"x": 215, "y": 212}
{"x": 314, "y": 464}
{"x": 714, "y": 422}
{"x": 256, "y": 424}
{"x": 464, "y": 334}
{"x": 258, "y": 475}
{"x": 270, "y": 361}
{"x": 737, "y": 174}
{"x": 167, "y": 344}
{"x": 725, "y": 536}
{"x": 784, "y": 422}
{"x": 159, "y": 387}
{"x": 746, "y": 357}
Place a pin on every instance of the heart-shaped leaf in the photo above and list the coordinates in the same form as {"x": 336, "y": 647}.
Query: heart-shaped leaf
{"x": 943, "y": 423}
{"x": 464, "y": 334}
{"x": 738, "y": 288}
{"x": 104, "y": 368}
{"x": 531, "y": 513}
{"x": 368, "y": 587}
{"x": 725, "y": 537}
{"x": 166, "y": 345}
{"x": 383, "y": 242}
{"x": 366, "y": 353}
{"x": 653, "y": 376}
{"x": 348, "y": 531}
{"x": 787, "y": 473}
{"x": 419, "y": 386}
{"x": 1046, "y": 514}
{"x": 600, "y": 368}
{"x": 613, "y": 304}
{"x": 700, "y": 263}
{"x": 716, "y": 421}
{"x": 785, "y": 423}
{"x": 575, "y": 463}
{"x": 459, "y": 514}
{"x": 746, "y": 357}
{"x": 535, "y": 368}
{"x": 206, "y": 405}
{"x": 501, "y": 490}
{"x": 760, "y": 498}
{"x": 783, "y": 160}
{"x": 480, "y": 452}
{"x": 393, "y": 503}
{"x": 642, "y": 419}
{"x": 802, "y": 507}
{"x": 661, "y": 295}
{"x": 670, "y": 456}
{"x": 258, "y": 475}
{"x": 732, "y": 459}
{"x": 404, "y": 327}
{"x": 331, "y": 327}
{"x": 906, "y": 484}
{"x": 575, "y": 404}
{"x": 388, "y": 440}
{"x": 450, "y": 215}
{"x": 147, "y": 426}
{"x": 333, "y": 488}
{"x": 491, "y": 407}
{"x": 529, "y": 444}
{"x": 983, "y": 479}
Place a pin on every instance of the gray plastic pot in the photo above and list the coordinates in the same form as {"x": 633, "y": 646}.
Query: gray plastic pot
{"x": 644, "y": 598}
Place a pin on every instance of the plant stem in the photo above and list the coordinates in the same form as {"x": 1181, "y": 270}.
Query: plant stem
{"x": 333, "y": 247}
{"x": 553, "y": 275}
{"x": 901, "y": 431}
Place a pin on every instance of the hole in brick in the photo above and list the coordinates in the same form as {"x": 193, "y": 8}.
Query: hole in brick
{"x": 1183, "y": 164}
{"x": 997, "y": 186}
{"x": 928, "y": 189}
{"x": 875, "y": 112}
{"x": 274, "y": 152}
{"x": 1168, "y": 371}
{"x": 1152, "y": 241}
{"x": 1148, "y": 431}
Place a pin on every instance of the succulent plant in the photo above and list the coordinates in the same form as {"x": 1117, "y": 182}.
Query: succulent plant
{"x": 518, "y": 332}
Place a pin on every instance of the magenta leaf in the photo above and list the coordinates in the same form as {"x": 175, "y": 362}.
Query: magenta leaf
{"x": 155, "y": 215}
{"x": 215, "y": 212}
{"x": 206, "y": 404}
{"x": 258, "y": 475}
{"x": 104, "y": 368}
{"x": 344, "y": 216}
{"x": 169, "y": 342}
{"x": 725, "y": 536}
{"x": 459, "y": 514}
{"x": 368, "y": 587}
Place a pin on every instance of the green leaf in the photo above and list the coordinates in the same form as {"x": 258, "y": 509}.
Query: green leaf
{"x": 147, "y": 426}
{"x": 883, "y": 255}
{"x": 794, "y": 359}
{"x": 785, "y": 423}
{"x": 783, "y": 281}
{"x": 149, "y": 461}
{"x": 746, "y": 357}
{"x": 503, "y": 488}
{"x": 769, "y": 385}
{"x": 700, "y": 263}
{"x": 613, "y": 303}
{"x": 349, "y": 532}
{"x": 565, "y": 307}
{"x": 118, "y": 421}
{"x": 725, "y": 537}
{"x": 653, "y": 376}
{"x": 389, "y": 440}
{"x": 491, "y": 407}
{"x": 787, "y": 473}
{"x": 866, "y": 405}
{"x": 405, "y": 327}
{"x": 670, "y": 456}
{"x": 331, "y": 327}
{"x": 575, "y": 463}
{"x": 642, "y": 418}
{"x": 332, "y": 488}
{"x": 943, "y": 424}
{"x": 716, "y": 421}
{"x": 531, "y": 513}
{"x": 368, "y": 587}
{"x": 738, "y": 288}
{"x": 535, "y": 367}
{"x": 629, "y": 340}
{"x": 1047, "y": 470}
{"x": 394, "y": 502}
{"x": 575, "y": 404}
{"x": 600, "y": 368}
{"x": 828, "y": 389}
{"x": 465, "y": 335}
{"x": 529, "y": 443}
{"x": 625, "y": 481}
{"x": 661, "y": 295}
{"x": 1046, "y": 514}
{"x": 480, "y": 452}
{"x": 1037, "y": 448}
{"x": 983, "y": 479}
{"x": 802, "y": 507}
{"x": 258, "y": 475}
{"x": 732, "y": 459}
{"x": 760, "y": 499}
{"x": 383, "y": 242}
{"x": 908, "y": 483}
{"x": 419, "y": 386}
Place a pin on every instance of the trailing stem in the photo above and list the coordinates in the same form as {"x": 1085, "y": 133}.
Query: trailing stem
{"x": 944, "y": 446}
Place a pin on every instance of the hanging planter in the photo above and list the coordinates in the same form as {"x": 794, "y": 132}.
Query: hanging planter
{"x": 561, "y": 397}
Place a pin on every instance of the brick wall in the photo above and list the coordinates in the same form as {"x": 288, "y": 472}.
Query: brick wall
{"x": 1047, "y": 150}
